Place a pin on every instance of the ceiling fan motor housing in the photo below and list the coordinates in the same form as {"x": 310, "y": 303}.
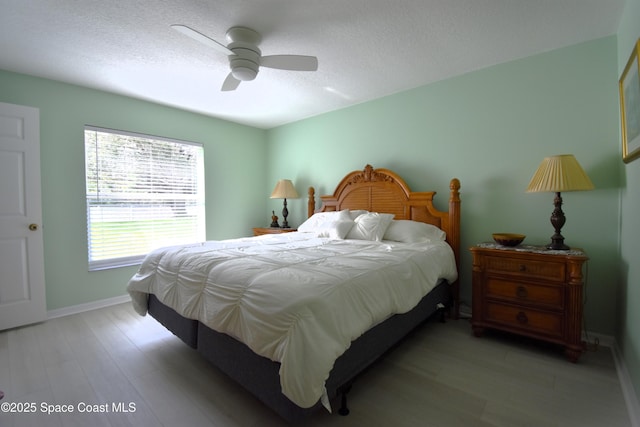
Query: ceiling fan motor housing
{"x": 246, "y": 61}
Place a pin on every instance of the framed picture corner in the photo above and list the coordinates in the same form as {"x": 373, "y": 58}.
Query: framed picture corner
{"x": 629, "y": 88}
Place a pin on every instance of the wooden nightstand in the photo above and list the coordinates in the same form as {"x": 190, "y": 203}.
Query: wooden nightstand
{"x": 531, "y": 291}
{"x": 259, "y": 231}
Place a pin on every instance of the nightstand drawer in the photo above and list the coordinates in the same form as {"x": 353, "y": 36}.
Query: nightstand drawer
{"x": 525, "y": 293}
{"x": 539, "y": 322}
{"x": 531, "y": 268}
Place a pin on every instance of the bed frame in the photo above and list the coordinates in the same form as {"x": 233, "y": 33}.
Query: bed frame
{"x": 376, "y": 190}
{"x": 381, "y": 190}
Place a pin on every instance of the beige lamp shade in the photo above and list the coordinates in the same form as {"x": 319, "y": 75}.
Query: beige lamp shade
{"x": 284, "y": 190}
{"x": 559, "y": 174}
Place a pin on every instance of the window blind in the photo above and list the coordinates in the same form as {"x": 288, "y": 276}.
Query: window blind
{"x": 143, "y": 192}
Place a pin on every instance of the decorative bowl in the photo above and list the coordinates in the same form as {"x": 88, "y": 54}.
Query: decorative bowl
{"x": 508, "y": 239}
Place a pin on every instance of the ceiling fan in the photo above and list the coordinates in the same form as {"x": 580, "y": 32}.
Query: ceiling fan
{"x": 245, "y": 58}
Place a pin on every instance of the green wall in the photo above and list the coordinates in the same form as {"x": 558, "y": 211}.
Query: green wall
{"x": 233, "y": 154}
{"x": 628, "y": 336}
{"x": 491, "y": 129}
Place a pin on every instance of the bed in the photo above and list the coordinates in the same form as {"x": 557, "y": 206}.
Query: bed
{"x": 265, "y": 334}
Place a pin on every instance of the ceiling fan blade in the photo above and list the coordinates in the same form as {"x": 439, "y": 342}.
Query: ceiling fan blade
{"x": 190, "y": 32}
{"x": 230, "y": 83}
{"x": 290, "y": 62}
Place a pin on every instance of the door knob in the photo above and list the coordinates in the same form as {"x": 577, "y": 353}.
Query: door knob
{"x": 33, "y": 227}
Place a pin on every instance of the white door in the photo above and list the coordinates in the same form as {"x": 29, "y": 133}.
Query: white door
{"x": 22, "y": 291}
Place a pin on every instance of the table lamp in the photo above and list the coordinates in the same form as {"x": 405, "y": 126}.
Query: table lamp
{"x": 557, "y": 174}
{"x": 284, "y": 190}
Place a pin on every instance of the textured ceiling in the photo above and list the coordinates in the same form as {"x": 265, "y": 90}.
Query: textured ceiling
{"x": 366, "y": 48}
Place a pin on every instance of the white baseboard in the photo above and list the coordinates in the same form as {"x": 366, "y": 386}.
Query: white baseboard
{"x": 601, "y": 339}
{"x": 629, "y": 392}
{"x": 465, "y": 311}
{"x": 81, "y": 308}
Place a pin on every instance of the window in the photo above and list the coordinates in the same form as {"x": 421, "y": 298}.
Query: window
{"x": 143, "y": 192}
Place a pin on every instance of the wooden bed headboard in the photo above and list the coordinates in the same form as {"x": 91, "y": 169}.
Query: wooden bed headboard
{"x": 384, "y": 191}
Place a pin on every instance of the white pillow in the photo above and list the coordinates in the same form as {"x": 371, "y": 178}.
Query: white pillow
{"x": 335, "y": 230}
{"x": 407, "y": 231}
{"x": 334, "y": 225}
{"x": 320, "y": 220}
{"x": 370, "y": 226}
{"x": 355, "y": 214}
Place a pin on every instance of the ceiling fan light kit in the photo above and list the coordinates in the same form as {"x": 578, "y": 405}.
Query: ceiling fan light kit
{"x": 245, "y": 58}
{"x": 244, "y": 69}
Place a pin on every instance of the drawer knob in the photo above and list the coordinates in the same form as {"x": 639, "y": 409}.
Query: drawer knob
{"x": 521, "y": 292}
{"x": 523, "y": 267}
{"x": 522, "y": 318}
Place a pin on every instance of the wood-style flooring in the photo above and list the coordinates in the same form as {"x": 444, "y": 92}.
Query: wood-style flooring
{"x": 114, "y": 360}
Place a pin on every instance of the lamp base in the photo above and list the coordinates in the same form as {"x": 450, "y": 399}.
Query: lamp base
{"x": 557, "y": 220}
{"x": 558, "y": 245}
{"x": 285, "y": 213}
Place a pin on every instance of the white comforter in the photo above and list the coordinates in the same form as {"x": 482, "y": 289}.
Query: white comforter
{"x": 293, "y": 298}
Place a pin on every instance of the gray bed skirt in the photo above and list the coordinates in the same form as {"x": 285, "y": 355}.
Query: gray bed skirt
{"x": 260, "y": 375}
